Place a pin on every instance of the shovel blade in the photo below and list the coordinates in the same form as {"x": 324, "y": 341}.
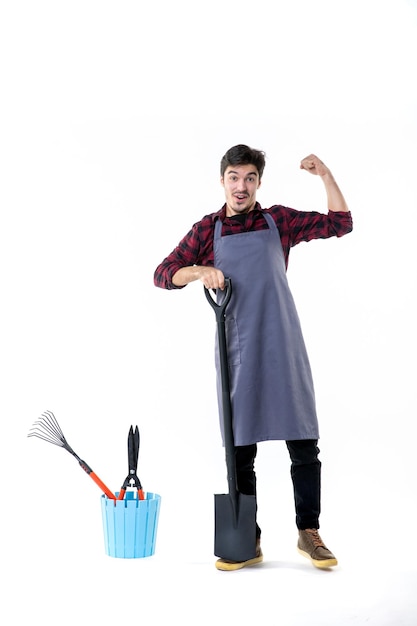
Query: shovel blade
{"x": 235, "y": 527}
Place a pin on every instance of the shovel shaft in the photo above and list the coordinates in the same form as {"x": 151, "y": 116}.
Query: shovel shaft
{"x": 227, "y": 413}
{"x": 220, "y": 312}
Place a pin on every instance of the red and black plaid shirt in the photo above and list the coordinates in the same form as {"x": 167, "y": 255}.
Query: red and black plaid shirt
{"x": 196, "y": 248}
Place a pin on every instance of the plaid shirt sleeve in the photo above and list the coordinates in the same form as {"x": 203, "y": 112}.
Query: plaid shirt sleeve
{"x": 296, "y": 226}
{"x": 196, "y": 248}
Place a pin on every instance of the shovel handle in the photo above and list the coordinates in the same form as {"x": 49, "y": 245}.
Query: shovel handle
{"x": 219, "y": 309}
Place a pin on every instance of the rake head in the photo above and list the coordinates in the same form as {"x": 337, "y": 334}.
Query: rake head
{"x": 48, "y": 429}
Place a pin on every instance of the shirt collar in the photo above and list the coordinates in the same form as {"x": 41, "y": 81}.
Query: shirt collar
{"x": 222, "y": 213}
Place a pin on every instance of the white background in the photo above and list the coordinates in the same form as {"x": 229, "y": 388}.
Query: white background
{"x": 114, "y": 117}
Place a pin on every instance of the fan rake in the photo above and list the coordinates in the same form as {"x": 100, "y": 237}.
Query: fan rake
{"x": 48, "y": 429}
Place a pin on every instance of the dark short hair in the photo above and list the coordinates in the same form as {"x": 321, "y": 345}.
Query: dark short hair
{"x": 243, "y": 155}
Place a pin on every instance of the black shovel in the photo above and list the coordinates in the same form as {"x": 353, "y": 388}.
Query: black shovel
{"x": 235, "y": 512}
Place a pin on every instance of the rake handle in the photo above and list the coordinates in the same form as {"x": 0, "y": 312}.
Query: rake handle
{"x": 97, "y": 480}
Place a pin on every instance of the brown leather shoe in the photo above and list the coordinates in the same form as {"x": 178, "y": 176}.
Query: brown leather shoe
{"x": 311, "y": 545}
{"x": 229, "y": 566}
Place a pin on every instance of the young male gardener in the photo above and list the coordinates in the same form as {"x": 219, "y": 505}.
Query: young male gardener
{"x": 271, "y": 384}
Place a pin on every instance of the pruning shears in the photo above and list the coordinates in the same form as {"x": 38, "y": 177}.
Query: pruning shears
{"x": 132, "y": 479}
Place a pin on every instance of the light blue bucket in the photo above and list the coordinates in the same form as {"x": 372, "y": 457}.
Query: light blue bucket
{"x": 130, "y": 525}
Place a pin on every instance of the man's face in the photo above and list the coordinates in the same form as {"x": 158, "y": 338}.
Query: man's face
{"x": 240, "y": 184}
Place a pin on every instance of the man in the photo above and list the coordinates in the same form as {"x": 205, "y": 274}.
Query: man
{"x": 271, "y": 384}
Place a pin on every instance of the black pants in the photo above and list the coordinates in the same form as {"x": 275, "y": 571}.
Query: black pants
{"x": 305, "y": 474}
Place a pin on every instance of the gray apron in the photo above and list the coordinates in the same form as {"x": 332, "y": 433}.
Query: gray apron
{"x": 271, "y": 385}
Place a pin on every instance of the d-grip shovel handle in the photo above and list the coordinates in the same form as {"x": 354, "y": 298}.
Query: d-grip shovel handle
{"x": 219, "y": 309}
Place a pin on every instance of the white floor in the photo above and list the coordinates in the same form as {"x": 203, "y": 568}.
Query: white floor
{"x": 55, "y": 570}
{"x": 66, "y": 586}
